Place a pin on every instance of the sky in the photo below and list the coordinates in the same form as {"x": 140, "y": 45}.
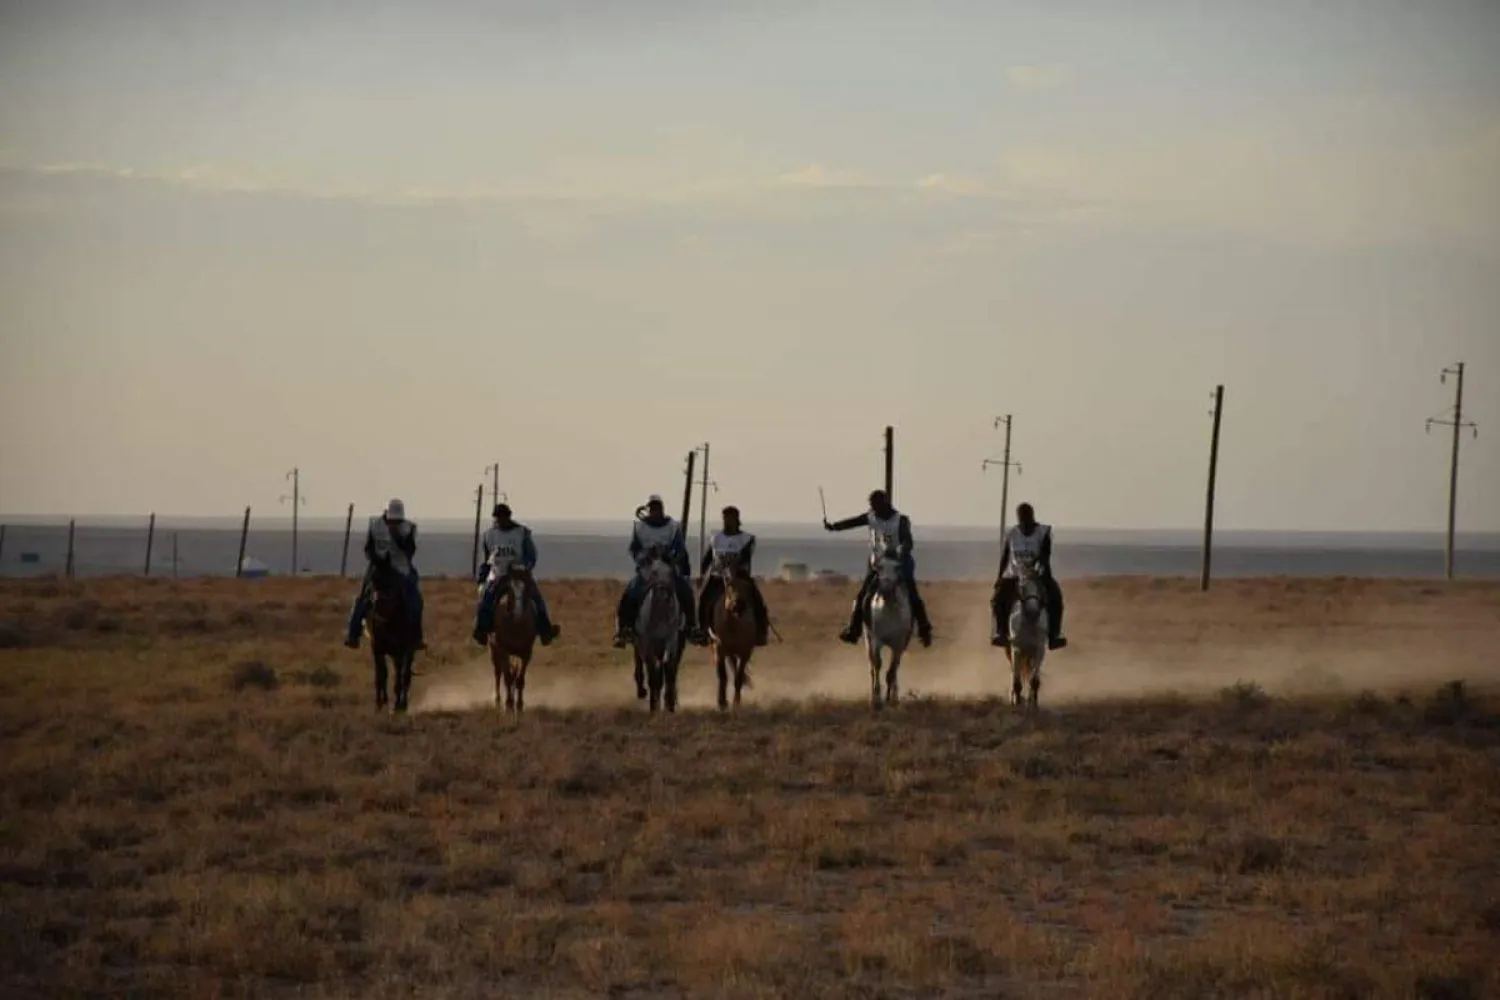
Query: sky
{"x": 392, "y": 244}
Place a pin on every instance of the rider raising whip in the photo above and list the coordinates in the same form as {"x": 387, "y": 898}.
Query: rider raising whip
{"x": 890, "y": 531}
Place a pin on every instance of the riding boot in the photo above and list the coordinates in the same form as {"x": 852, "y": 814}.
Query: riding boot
{"x": 484, "y": 614}
{"x": 762, "y": 617}
{"x": 690, "y": 630}
{"x": 415, "y": 595}
{"x": 997, "y": 620}
{"x": 706, "y": 605}
{"x": 1055, "y": 638}
{"x": 546, "y": 629}
{"x": 624, "y": 614}
{"x": 919, "y": 611}
{"x": 356, "y": 620}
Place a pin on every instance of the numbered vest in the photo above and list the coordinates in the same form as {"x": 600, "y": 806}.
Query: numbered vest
{"x": 663, "y": 536}
{"x": 506, "y": 546}
{"x": 381, "y": 533}
{"x": 725, "y": 544}
{"x": 1024, "y": 546}
{"x": 885, "y": 534}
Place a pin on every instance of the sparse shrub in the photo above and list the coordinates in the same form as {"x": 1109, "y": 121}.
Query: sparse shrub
{"x": 253, "y": 674}
{"x": 1449, "y": 706}
{"x": 13, "y": 635}
{"x": 1252, "y": 855}
{"x": 1246, "y": 695}
{"x": 81, "y": 616}
{"x": 1445, "y": 988}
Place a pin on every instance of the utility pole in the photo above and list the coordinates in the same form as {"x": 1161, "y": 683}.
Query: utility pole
{"x": 297, "y": 501}
{"x": 687, "y": 491}
{"x": 494, "y": 471}
{"x": 890, "y": 464}
{"x": 478, "y": 516}
{"x": 1005, "y": 465}
{"x": 1458, "y": 424}
{"x": 704, "y": 485}
{"x": 1213, "y": 471}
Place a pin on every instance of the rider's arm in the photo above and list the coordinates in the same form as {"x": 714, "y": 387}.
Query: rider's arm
{"x": 1004, "y": 561}
{"x": 708, "y": 562}
{"x": 857, "y": 521}
{"x": 409, "y": 543}
{"x": 747, "y": 554}
{"x": 635, "y": 545}
{"x": 370, "y": 545}
{"x": 1046, "y": 556}
{"x": 528, "y": 551}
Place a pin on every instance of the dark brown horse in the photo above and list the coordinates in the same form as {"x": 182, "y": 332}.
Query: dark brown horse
{"x": 392, "y": 638}
{"x": 733, "y": 629}
{"x": 514, "y": 637}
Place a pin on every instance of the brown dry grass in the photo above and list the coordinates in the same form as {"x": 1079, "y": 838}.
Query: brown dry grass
{"x": 197, "y": 799}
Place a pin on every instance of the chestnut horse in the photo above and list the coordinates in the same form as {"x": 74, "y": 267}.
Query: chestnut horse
{"x": 392, "y": 638}
{"x": 733, "y": 630}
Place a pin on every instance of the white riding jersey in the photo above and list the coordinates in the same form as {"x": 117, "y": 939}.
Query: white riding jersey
{"x": 381, "y": 532}
{"x": 885, "y": 534}
{"x": 505, "y": 545}
{"x": 1024, "y": 546}
{"x": 725, "y": 544}
{"x": 664, "y": 536}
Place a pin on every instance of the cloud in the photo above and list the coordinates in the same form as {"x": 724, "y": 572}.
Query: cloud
{"x": 952, "y": 184}
{"x": 818, "y": 176}
{"x": 1034, "y": 78}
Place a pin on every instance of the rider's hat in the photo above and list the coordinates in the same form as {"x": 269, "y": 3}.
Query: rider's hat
{"x": 501, "y": 510}
{"x": 395, "y": 510}
{"x": 731, "y": 509}
{"x": 654, "y": 498}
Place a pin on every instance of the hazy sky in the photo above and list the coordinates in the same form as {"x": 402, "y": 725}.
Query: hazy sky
{"x": 393, "y": 246}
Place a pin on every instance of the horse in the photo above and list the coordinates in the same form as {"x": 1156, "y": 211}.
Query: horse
{"x": 888, "y": 626}
{"x": 1028, "y": 633}
{"x": 733, "y": 629}
{"x": 392, "y": 637}
{"x": 513, "y": 636}
{"x": 658, "y": 635}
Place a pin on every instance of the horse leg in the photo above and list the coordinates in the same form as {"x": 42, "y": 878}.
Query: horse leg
{"x": 403, "y": 679}
{"x": 1017, "y": 664}
{"x": 640, "y": 677}
{"x": 722, "y": 668}
{"x": 521, "y": 666}
{"x": 875, "y": 700}
{"x": 669, "y": 669}
{"x": 892, "y": 696}
{"x": 654, "y": 679}
{"x": 1036, "y": 680}
{"x": 382, "y": 689}
{"x": 741, "y": 674}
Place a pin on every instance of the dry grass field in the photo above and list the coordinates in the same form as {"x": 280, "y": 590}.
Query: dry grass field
{"x": 1268, "y": 791}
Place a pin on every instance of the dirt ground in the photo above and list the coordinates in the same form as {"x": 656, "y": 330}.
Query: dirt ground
{"x": 1281, "y": 788}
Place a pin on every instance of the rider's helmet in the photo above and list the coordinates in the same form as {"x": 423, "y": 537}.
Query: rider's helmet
{"x": 501, "y": 510}
{"x": 395, "y": 510}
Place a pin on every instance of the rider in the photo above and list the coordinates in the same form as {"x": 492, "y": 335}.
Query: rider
{"x": 890, "y": 530}
{"x": 390, "y": 544}
{"x": 1029, "y": 538}
{"x": 506, "y": 543}
{"x": 732, "y": 541}
{"x": 654, "y": 529}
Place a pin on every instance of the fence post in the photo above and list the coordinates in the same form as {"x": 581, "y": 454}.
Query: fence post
{"x": 239, "y": 565}
{"x": 348, "y": 527}
{"x": 150, "y": 538}
{"x": 68, "y": 572}
{"x": 2, "y": 541}
{"x": 174, "y": 555}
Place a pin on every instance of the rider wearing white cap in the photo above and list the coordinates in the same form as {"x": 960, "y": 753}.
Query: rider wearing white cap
{"x": 390, "y": 544}
{"x": 653, "y": 529}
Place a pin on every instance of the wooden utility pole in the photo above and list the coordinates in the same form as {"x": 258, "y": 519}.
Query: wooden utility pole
{"x": 1213, "y": 472}
{"x": 478, "y": 515}
{"x": 704, "y": 485}
{"x": 890, "y": 464}
{"x": 348, "y": 530}
{"x": 239, "y": 565}
{"x": 494, "y": 471}
{"x": 174, "y": 555}
{"x": 687, "y": 490}
{"x": 150, "y": 537}
{"x": 1458, "y": 423}
{"x": 297, "y": 501}
{"x": 1005, "y": 465}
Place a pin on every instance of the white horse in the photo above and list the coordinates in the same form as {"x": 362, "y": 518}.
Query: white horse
{"x": 888, "y": 626}
{"x": 1028, "y": 633}
{"x": 658, "y": 635}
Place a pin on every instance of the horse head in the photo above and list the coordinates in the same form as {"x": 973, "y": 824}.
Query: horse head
{"x": 513, "y": 589}
{"x": 736, "y": 582}
{"x": 1028, "y": 588}
{"x": 658, "y": 573}
{"x": 888, "y": 575}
